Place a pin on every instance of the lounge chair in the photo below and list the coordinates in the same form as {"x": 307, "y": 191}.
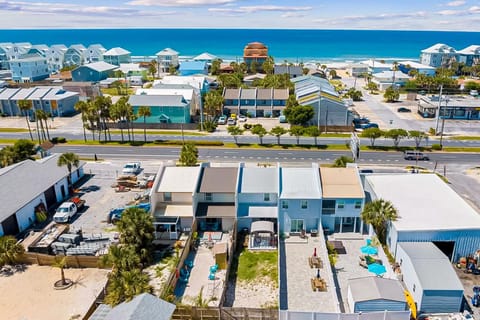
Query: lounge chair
{"x": 363, "y": 263}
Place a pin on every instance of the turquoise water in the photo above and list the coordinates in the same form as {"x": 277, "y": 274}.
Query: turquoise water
{"x": 291, "y": 45}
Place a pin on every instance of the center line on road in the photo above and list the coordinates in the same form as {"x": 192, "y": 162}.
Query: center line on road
{"x": 231, "y": 152}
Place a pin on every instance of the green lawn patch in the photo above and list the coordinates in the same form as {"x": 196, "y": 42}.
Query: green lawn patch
{"x": 252, "y": 265}
{"x": 161, "y": 132}
{"x": 463, "y": 138}
{"x": 13, "y": 130}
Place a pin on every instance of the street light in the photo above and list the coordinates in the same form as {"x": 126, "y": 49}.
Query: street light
{"x": 439, "y": 106}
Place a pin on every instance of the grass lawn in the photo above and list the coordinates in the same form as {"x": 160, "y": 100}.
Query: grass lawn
{"x": 173, "y": 133}
{"x": 252, "y": 265}
{"x": 463, "y": 138}
{"x": 14, "y": 130}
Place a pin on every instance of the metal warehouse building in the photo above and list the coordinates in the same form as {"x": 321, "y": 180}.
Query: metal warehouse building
{"x": 429, "y": 211}
{"x": 430, "y": 278}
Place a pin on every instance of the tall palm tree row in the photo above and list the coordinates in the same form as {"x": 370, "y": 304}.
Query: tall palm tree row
{"x": 25, "y": 106}
{"x": 144, "y": 111}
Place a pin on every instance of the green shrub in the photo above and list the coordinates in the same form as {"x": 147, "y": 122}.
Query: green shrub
{"x": 41, "y": 216}
{"x": 436, "y": 146}
{"x": 247, "y": 126}
{"x": 197, "y": 142}
{"x": 56, "y": 140}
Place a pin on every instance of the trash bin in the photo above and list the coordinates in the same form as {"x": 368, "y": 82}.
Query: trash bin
{"x": 314, "y": 233}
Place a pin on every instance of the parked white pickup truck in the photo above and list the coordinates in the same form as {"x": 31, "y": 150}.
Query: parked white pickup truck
{"x": 67, "y": 210}
{"x": 132, "y": 168}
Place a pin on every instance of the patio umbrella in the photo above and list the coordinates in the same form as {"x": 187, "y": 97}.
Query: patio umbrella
{"x": 318, "y": 273}
{"x": 314, "y": 252}
{"x": 377, "y": 268}
{"x": 369, "y": 250}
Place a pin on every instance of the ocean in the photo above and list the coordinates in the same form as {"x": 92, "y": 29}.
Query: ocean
{"x": 291, "y": 45}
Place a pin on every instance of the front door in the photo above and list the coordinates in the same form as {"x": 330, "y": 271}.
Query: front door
{"x": 297, "y": 225}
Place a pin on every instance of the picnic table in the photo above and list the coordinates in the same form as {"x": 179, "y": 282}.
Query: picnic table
{"x": 318, "y": 284}
{"x": 315, "y": 262}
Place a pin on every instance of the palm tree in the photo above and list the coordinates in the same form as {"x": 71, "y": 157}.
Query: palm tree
{"x": 61, "y": 263}
{"x": 189, "y": 155}
{"x": 70, "y": 160}
{"x": 121, "y": 257}
{"x": 42, "y": 116}
{"x": 394, "y": 69}
{"x": 10, "y": 250}
{"x": 83, "y": 106}
{"x": 144, "y": 111}
{"x": 213, "y": 103}
{"x": 26, "y": 106}
{"x": 136, "y": 229}
{"x": 379, "y": 213}
{"x": 342, "y": 162}
{"x": 125, "y": 285}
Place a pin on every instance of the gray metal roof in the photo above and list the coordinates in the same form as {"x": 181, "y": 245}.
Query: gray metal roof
{"x": 100, "y": 66}
{"x": 157, "y": 100}
{"x": 23, "y": 94}
{"x": 265, "y": 94}
{"x": 117, "y": 51}
{"x": 143, "y": 307}
{"x": 39, "y": 93}
{"x": 433, "y": 268}
{"x": 259, "y": 180}
{"x": 300, "y": 183}
{"x": 231, "y": 94}
{"x": 20, "y": 183}
{"x": 8, "y": 93}
{"x": 59, "y": 94}
{"x": 220, "y": 180}
{"x": 280, "y": 94}
{"x": 376, "y": 288}
{"x": 248, "y": 94}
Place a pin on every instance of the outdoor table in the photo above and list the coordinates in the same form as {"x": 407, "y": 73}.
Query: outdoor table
{"x": 315, "y": 262}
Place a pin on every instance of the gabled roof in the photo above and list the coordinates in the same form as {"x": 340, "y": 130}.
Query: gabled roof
{"x": 60, "y": 47}
{"x": 265, "y": 93}
{"x": 179, "y": 179}
{"x": 143, "y": 307}
{"x": 78, "y": 47}
{"x": 218, "y": 180}
{"x": 470, "y": 50}
{"x": 445, "y": 210}
{"x": 416, "y": 65}
{"x": 99, "y": 66}
{"x": 117, "y": 51}
{"x": 23, "y": 94}
{"x": 376, "y": 288}
{"x": 300, "y": 183}
{"x": 166, "y": 52}
{"x": 39, "y": 93}
{"x": 97, "y": 46}
{"x": 24, "y": 181}
{"x": 183, "y": 90}
{"x": 399, "y": 75}
{"x": 127, "y": 67}
{"x": 59, "y": 94}
{"x": 29, "y": 57}
{"x": 157, "y": 100}
{"x": 193, "y": 65}
{"x": 341, "y": 183}
{"x": 195, "y": 81}
{"x": 231, "y": 94}
{"x": 371, "y": 63}
{"x": 431, "y": 265}
{"x": 8, "y": 93}
{"x": 259, "y": 180}
{"x": 248, "y": 94}
{"x": 439, "y": 48}
{"x": 205, "y": 56}
{"x": 280, "y": 94}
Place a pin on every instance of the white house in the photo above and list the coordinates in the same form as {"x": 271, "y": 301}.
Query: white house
{"x": 207, "y": 57}
{"x": 75, "y": 55}
{"x": 429, "y": 277}
{"x": 4, "y": 48}
{"x": 56, "y": 57}
{"x": 428, "y": 210}
{"x": 117, "y": 56}
{"x": 167, "y": 58}
{"x": 94, "y": 53}
{"x": 408, "y": 65}
{"x": 29, "y": 185}
{"x": 375, "y": 66}
{"x": 17, "y": 50}
{"x": 437, "y": 55}
{"x": 172, "y": 200}
{"x": 387, "y": 79}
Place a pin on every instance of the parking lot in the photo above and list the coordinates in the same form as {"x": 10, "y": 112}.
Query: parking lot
{"x": 100, "y": 197}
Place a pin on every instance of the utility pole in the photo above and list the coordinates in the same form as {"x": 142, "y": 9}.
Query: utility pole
{"x": 439, "y": 107}
{"x": 319, "y": 101}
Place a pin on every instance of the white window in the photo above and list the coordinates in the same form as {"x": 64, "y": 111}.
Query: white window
{"x": 304, "y": 204}
{"x": 340, "y": 204}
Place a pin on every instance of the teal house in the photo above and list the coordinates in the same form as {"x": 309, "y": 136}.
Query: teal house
{"x": 164, "y": 108}
{"x": 93, "y": 72}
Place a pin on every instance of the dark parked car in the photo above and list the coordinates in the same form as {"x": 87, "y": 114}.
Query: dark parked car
{"x": 403, "y": 109}
{"x": 368, "y": 125}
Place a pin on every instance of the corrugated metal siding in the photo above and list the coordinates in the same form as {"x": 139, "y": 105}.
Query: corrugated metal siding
{"x": 380, "y": 305}
{"x": 441, "y": 301}
{"x": 466, "y": 241}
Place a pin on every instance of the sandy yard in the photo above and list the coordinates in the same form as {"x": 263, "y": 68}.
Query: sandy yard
{"x": 258, "y": 294}
{"x": 29, "y": 295}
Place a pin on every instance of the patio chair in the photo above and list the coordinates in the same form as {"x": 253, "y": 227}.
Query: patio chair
{"x": 214, "y": 268}
{"x": 363, "y": 263}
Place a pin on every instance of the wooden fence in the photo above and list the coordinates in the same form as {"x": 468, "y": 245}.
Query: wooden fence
{"x": 72, "y": 261}
{"x": 211, "y": 313}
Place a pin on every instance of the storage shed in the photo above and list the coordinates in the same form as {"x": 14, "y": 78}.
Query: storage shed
{"x": 429, "y": 277}
{"x": 372, "y": 294}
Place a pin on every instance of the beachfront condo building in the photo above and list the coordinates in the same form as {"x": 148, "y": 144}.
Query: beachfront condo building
{"x": 255, "y": 102}
{"x": 75, "y": 55}
{"x": 438, "y": 55}
{"x": 117, "y": 56}
{"x": 95, "y": 53}
{"x": 4, "y": 47}
{"x": 469, "y": 55}
{"x": 166, "y": 59}
{"x": 93, "y": 72}
{"x": 55, "y": 57}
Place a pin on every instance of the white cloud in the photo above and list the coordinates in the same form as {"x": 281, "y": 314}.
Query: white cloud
{"x": 449, "y": 12}
{"x": 456, "y": 3}
{"x": 252, "y": 9}
{"x": 178, "y": 3}
{"x": 292, "y": 15}
{"x": 474, "y": 9}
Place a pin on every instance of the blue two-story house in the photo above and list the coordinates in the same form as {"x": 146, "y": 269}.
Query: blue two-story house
{"x": 300, "y": 200}
{"x": 257, "y": 209}
{"x": 343, "y": 200}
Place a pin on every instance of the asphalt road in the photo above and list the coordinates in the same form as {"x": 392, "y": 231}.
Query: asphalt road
{"x": 286, "y": 139}
{"x": 264, "y": 155}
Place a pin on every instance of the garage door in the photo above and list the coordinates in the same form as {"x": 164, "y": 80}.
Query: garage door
{"x": 50, "y": 196}
{"x": 10, "y": 225}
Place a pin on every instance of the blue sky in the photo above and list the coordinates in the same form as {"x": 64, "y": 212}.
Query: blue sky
{"x": 459, "y": 15}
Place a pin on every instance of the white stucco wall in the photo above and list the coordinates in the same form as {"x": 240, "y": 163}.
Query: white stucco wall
{"x": 58, "y": 186}
{"x": 28, "y": 211}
